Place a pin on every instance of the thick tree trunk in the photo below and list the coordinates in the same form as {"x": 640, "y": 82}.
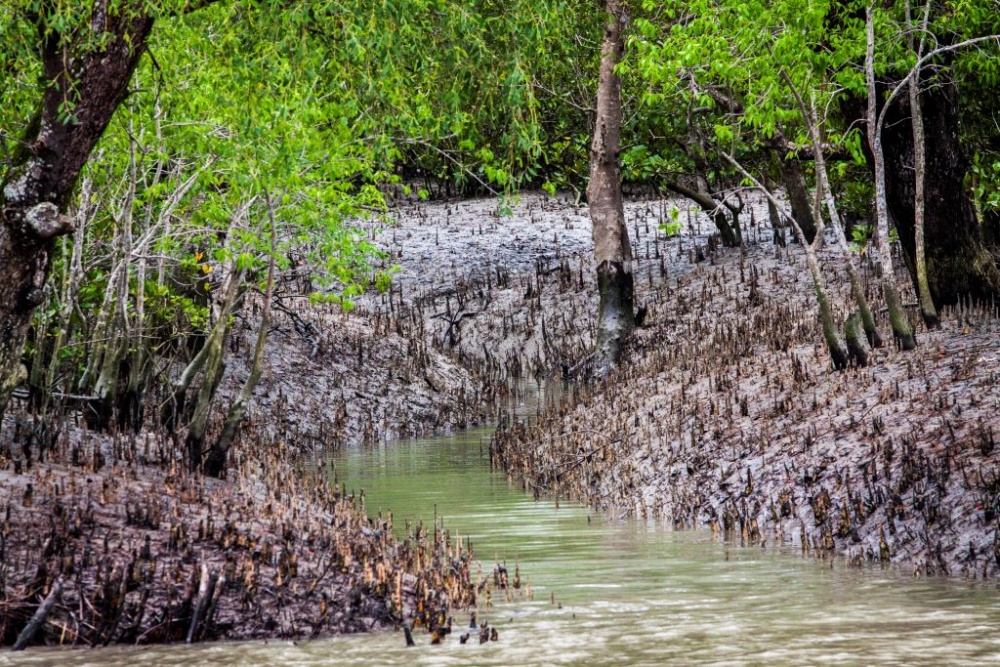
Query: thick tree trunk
{"x": 612, "y": 251}
{"x": 46, "y": 165}
{"x": 958, "y": 262}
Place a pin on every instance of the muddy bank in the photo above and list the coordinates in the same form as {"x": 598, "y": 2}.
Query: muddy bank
{"x": 728, "y": 414}
{"x": 334, "y": 379}
{"x": 132, "y": 552}
{"x": 510, "y": 291}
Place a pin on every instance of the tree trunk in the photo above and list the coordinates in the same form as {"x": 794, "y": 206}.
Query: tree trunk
{"x": 958, "y": 258}
{"x": 215, "y": 461}
{"x": 214, "y": 367}
{"x": 824, "y": 198}
{"x": 729, "y": 231}
{"x": 898, "y": 318}
{"x": 612, "y": 252}
{"x": 839, "y": 353}
{"x": 927, "y": 309}
{"x": 47, "y": 162}
{"x": 794, "y": 181}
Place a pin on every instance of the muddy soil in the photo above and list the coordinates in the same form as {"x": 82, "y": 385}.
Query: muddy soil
{"x": 131, "y": 549}
{"x": 727, "y": 414}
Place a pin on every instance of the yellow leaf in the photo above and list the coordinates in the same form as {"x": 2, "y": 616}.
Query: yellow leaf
{"x": 205, "y": 268}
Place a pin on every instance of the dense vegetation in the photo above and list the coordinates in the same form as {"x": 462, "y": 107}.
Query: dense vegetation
{"x": 171, "y": 168}
{"x": 252, "y": 130}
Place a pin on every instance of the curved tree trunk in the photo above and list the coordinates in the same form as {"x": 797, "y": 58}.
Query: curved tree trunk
{"x": 49, "y": 159}
{"x": 729, "y": 231}
{"x": 612, "y": 251}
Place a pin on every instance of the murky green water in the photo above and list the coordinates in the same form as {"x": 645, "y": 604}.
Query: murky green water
{"x": 625, "y": 594}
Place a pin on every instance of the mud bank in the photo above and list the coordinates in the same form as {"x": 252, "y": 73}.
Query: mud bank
{"x": 131, "y": 552}
{"x": 728, "y": 414}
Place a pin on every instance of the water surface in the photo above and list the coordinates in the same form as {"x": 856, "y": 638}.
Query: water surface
{"x": 619, "y": 593}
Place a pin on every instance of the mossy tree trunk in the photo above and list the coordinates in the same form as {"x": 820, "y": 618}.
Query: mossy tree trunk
{"x": 612, "y": 251}
{"x": 824, "y": 199}
{"x": 839, "y": 353}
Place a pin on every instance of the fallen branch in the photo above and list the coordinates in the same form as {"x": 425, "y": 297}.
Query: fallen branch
{"x": 39, "y": 618}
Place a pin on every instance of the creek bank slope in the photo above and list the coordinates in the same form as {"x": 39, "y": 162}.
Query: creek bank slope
{"x": 727, "y": 414}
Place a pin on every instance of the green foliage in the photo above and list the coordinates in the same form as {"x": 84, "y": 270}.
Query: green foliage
{"x": 984, "y": 176}
{"x": 673, "y": 226}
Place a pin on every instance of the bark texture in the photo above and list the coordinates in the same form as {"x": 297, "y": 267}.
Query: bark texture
{"x": 612, "y": 251}
{"x": 794, "y": 181}
{"x": 959, "y": 261}
{"x": 48, "y": 161}
{"x": 901, "y": 328}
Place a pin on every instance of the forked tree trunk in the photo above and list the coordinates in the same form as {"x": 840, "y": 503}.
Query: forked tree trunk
{"x": 215, "y": 460}
{"x": 48, "y": 160}
{"x": 824, "y": 196}
{"x": 959, "y": 260}
{"x": 729, "y": 231}
{"x": 612, "y": 251}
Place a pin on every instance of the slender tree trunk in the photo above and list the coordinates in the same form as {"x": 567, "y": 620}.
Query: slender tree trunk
{"x": 898, "y": 318}
{"x": 215, "y": 461}
{"x": 959, "y": 260}
{"x": 612, "y": 251}
{"x": 50, "y": 156}
{"x": 927, "y": 309}
{"x": 839, "y": 353}
{"x": 71, "y": 286}
{"x": 824, "y": 193}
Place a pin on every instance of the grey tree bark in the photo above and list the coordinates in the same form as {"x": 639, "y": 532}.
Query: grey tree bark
{"x": 900, "y": 321}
